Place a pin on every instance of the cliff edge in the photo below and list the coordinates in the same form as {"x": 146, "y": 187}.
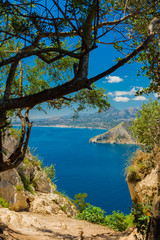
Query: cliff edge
{"x": 120, "y": 134}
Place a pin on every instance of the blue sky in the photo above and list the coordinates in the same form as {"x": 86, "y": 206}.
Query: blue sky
{"x": 120, "y": 85}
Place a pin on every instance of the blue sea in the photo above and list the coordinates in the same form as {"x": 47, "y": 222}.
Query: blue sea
{"x": 96, "y": 169}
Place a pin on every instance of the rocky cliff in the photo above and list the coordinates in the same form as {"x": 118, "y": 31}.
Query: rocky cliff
{"x": 119, "y": 134}
{"x": 142, "y": 176}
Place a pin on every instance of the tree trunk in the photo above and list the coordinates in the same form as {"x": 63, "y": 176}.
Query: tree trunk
{"x": 153, "y": 232}
{"x": 154, "y": 226}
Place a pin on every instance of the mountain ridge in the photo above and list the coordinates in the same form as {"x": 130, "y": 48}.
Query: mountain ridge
{"x": 104, "y": 120}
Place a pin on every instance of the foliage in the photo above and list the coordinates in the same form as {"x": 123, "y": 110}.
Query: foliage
{"x": 50, "y": 171}
{"x": 19, "y": 187}
{"x": 132, "y": 174}
{"x": 79, "y": 201}
{"x": 92, "y": 214}
{"x": 140, "y": 164}
{"x": 27, "y": 184}
{"x": 119, "y": 221}
{"x": 146, "y": 126}
{"x": 142, "y": 215}
{"x": 3, "y": 203}
{"x": 56, "y": 38}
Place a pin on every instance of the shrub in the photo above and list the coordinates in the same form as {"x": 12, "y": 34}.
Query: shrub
{"x": 119, "y": 221}
{"x": 92, "y": 214}
{"x": 146, "y": 127}
{"x": 3, "y": 203}
{"x": 19, "y": 187}
{"x": 50, "y": 171}
{"x": 141, "y": 164}
{"x": 27, "y": 184}
{"x": 79, "y": 201}
{"x": 133, "y": 175}
{"x": 142, "y": 215}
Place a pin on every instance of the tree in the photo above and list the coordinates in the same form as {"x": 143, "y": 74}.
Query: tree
{"x": 146, "y": 126}
{"x": 55, "y": 35}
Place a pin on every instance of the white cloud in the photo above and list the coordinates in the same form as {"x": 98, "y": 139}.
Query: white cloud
{"x": 123, "y": 93}
{"x": 113, "y": 79}
{"x": 121, "y": 99}
{"x": 139, "y": 98}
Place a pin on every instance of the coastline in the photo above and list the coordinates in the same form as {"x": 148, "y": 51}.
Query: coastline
{"x": 63, "y": 126}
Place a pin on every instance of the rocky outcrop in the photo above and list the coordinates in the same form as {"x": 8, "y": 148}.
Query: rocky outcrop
{"x": 29, "y": 188}
{"x": 144, "y": 190}
{"x": 52, "y": 203}
{"x": 120, "y": 134}
{"x": 142, "y": 176}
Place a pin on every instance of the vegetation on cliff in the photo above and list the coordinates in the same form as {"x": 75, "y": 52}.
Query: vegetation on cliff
{"x": 143, "y": 174}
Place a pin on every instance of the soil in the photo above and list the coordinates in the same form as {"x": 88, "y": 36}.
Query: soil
{"x": 34, "y": 226}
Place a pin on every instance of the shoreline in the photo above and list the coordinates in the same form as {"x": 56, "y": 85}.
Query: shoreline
{"x": 63, "y": 126}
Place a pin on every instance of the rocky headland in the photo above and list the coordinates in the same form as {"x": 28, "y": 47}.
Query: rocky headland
{"x": 120, "y": 134}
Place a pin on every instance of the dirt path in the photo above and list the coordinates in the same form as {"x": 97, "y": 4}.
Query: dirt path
{"x": 32, "y": 226}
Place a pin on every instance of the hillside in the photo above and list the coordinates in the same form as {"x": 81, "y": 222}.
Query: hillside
{"x": 105, "y": 120}
{"x": 38, "y": 211}
{"x": 119, "y": 134}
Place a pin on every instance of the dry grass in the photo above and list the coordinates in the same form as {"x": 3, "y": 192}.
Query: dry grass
{"x": 141, "y": 164}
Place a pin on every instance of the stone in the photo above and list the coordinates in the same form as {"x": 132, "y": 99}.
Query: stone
{"x": 52, "y": 203}
{"x": 41, "y": 182}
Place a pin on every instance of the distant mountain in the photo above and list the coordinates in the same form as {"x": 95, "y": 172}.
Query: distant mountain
{"x": 105, "y": 120}
{"x": 119, "y": 134}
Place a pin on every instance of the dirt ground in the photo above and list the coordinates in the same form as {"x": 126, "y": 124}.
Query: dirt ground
{"x": 34, "y": 226}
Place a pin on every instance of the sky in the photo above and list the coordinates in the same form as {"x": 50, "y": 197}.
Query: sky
{"x": 121, "y": 85}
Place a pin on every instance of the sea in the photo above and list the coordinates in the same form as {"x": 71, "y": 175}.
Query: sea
{"x": 83, "y": 167}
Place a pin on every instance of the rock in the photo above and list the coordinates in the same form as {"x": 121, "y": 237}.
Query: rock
{"x": 41, "y": 182}
{"x": 28, "y": 187}
{"x": 145, "y": 189}
{"x": 52, "y": 203}
{"x": 10, "y": 182}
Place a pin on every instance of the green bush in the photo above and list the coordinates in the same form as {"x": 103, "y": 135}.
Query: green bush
{"x": 50, "y": 171}
{"x": 3, "y": 203}
{"x": 145, "y": 127}
{"x": 27, "y": 184}
{"x": 142, "y": 215}
{"x": 79, "y": 201}
{"x": 119, "y": 221}
{"x": 19, "y": 187}
{"x": 92, "y": 214}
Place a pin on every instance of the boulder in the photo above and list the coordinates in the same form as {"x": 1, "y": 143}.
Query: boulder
{"x": 41, "y": 182}
{"x": 12, "y": 191}
{"x": 52, "y": 203}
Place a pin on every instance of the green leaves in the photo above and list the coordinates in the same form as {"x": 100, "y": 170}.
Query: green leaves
{"x": 92, "y": 214}
{"x": 142, "y": 215}
{"x": 146, "y": 126}
{"x": 96, "y": 98}
{"x": 80, "y": 201}
{"x": 119, "y": 221}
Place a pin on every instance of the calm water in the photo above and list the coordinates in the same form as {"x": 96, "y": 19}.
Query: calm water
{"x": 97, "y": 169}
